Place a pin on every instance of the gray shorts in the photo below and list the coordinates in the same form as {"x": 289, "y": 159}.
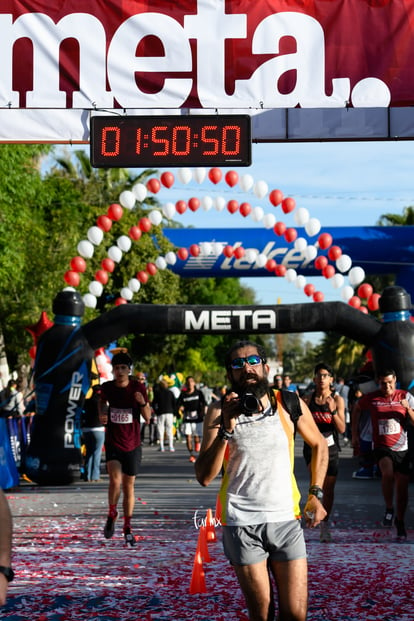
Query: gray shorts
{"x": 279, "y": 541}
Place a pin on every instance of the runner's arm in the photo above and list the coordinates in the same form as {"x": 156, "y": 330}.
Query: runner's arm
{"x": 213, "y": 448}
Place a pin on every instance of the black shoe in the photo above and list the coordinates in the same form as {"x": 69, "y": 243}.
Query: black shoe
{"x": 129, "y": 538}
{"x": 388, "y": 518}
{"x": 401, "y": 532}
{"x": 109, "y": 528}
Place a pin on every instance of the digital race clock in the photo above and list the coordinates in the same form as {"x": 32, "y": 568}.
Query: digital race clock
{"x": 165, "y": 141}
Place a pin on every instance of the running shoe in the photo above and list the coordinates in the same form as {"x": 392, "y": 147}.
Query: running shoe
{"x": 130, "y": 540}
{"x": 363, "y": 473}
{"x": 388, "y": 518}
{"x": 401, "y": 532}
{"x": 192, "y": 459}
{"x": 110, "y": 526}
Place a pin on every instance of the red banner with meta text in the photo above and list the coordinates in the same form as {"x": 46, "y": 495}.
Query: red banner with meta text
{"x": 104, "y": 54}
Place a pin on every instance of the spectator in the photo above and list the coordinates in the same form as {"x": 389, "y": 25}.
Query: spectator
{"x": 192, "y": 406}
{"x": 93, "y": 433}
{"x": 164, "y": 404}
{"x": 287, "y": 383}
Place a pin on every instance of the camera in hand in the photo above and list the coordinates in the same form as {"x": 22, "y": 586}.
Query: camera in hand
{"x": 249, "y": 403}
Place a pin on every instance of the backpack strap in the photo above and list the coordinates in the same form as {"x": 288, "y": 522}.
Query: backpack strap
{"x": 290, "y": 402}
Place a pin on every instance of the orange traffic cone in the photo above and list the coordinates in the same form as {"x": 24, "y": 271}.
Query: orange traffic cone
{"x": 198, "y": 582}
{"x": 210, "y": 526}
{"x": 202, "y": 546}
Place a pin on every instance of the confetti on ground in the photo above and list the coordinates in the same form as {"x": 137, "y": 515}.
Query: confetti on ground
{"x": 67, "y": 571}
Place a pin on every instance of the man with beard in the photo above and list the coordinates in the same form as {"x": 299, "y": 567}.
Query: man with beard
{"x": 259, "y": 495}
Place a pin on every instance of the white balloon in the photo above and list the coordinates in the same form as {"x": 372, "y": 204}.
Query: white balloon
{"x": 171, "y": 258}
{"x": 291, "y": 275}
{"x": 260, "y": 189}
{"x": 311, "y": 253}
{"x": 300, "y": 244}
{"x": 126, "y": 293}
{"x": 269, "y": 221}
{"x": 257, "y": 214}
{"x": 184, "y": 175}
{"x": 85, "y": 249}
{"x": 219, "y": 203}
{"x": 246, "y": 182}
{"x": 96, "y": 288}
{"x": 124, "y": 243}
{"x": 95, "y": 235}
{"x": 300, "y": 282}
{"x": 301, "y": 216}
{"x": 337, "y": 281}
{"x": 356, "y": 276}
{"x": 115, "y": 254}
{"x": 155, "y": 217}
{"x": 134, "y": 285}
{"x": 343, "y": 263}
{"x": 89, "y": 300}
{"x": 206, "y": 203}
{"x": 199, "y": 174}
{"x": 250, "y": 255}
{"x": 347, "y": 293}
{"x": 169, "y": 210}
{"x": 139, "y": 191}
{"x": 312, "y": 227}
{"x": 261, "y": 260}
{"x": 161, "y": 263}
{"x": 127, "y": 199}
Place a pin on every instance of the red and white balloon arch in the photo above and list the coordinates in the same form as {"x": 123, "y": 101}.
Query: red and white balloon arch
{"x": 334, "y": 266}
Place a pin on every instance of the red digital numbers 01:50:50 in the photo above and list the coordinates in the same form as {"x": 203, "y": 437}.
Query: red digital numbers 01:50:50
{"x": 154, "y": 141}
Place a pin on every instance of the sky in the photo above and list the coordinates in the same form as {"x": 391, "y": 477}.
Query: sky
{"x": 340, "y": 184}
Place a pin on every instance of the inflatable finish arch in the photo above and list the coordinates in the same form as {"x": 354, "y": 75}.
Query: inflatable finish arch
{"x": 65, "y": 353}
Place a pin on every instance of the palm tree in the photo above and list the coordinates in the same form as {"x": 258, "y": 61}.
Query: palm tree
{"x": 395, "y": 219}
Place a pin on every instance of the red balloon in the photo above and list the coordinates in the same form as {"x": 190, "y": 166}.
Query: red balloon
{"x": 102, "y": 276}
{"x": 288, "y": 204}
{"x": 290, "y": 235}
{"x": 280, "y": 270}
{"x": 152, "y": 269}
{"x": 194, "y": 204}
{"x": 320, "y": 262}
{"x": 231, "y": 178}
{"x": 228, "y": 251}
{"x": 318, "y": 296}
{"x": 135, "y": 232}
{"x": 271, "y": 265}
{"x": 239, "y": 252}
{"x": 232, "y": 206}
{"x": 181, "y": 206}
{"x": 78, "y": 264}
{"x": 72, "y": 278}
{"x": 104, "y": 223}
{"x": 373, "y": 302}
{"x": 328, "y": 271}
{"x": 334, "y": 253}
{"x": 215, "y": 175}
{"x": 365, "y": 290}
{"x": 354, "y": 301}
{"x": 182, "y": 254}
{"x": 276, "y": 197}
{"x": 325, "y": 240}
{"x": 32, "y": 352}
{"x": 120, "y": 301}
{"x": 194, "y": 250}
{"x": 108, "y": 264}
{"x": 279, "y": 228}
{"x": 115, "y": 211}
{"x": 309, "y": 289}
{"x": 245, "y": 209}
{"x": 153, "y": 185}
{"x": 167, "y": 179}
{"x": 142, "y": 277}
{"x": 145, "y": 224}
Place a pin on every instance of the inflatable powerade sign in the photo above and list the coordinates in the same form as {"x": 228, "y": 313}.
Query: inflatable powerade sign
{"x": 62, "y": 378}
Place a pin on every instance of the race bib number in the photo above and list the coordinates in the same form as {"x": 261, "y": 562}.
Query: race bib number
{"x": 121, "y": 416}
{"x": 330, "y": 440}
{"x": 388, "y": 427}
